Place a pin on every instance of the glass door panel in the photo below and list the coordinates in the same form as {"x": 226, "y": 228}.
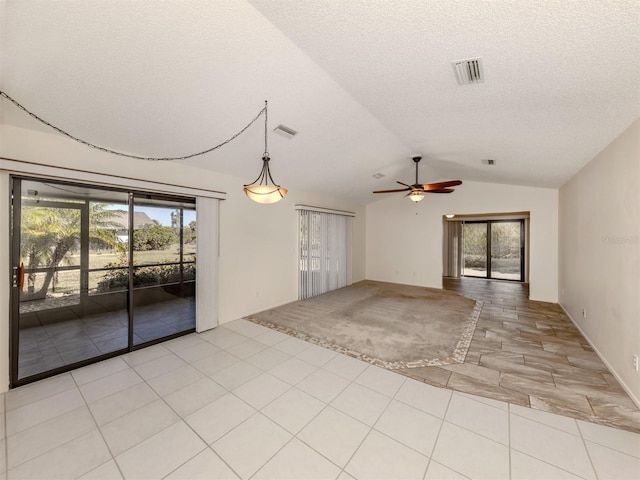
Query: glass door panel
{"x": 474, "y": 259}
{"x": 60, "y": 316}
{"x": 163, "y": 268}
{"x": 493, "y": 249}
{"x": 506, "y": 250}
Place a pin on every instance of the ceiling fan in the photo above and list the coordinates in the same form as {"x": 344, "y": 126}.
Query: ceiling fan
{"x": 417, "y": 190}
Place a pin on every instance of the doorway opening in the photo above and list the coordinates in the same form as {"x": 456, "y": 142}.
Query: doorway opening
{"x": 487, "y": 246}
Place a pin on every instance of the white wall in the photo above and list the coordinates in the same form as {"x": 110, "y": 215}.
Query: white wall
{"x": 257, "y": 242}
{"x": 600, "y": 254}
{"x": 258, "y": 250}
{"x": 404, "y": 240}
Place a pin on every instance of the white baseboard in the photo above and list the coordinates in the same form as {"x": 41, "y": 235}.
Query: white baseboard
{"x": 604, "y": 360}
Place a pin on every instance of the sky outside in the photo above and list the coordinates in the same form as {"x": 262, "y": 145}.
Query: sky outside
{"x": 162, "y": 215}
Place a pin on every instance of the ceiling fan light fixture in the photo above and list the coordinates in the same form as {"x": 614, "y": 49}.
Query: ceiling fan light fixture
{"x": 416, "y": 196}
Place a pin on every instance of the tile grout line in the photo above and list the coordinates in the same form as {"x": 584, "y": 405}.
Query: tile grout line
{"x": 509, "y": 439}
{"x": 584, "y": 443}
{"x": 230, "y": 392}
{"x": 181, "y": 419}
{"x": 327, "y": 405}
{"x": 259, "y": 411}
{"x": 562, "y": 431}
{"x": 160, "y": 397}
{"x": 86, "y": 404}
{"x": 435, "y": 443}
{"x": 50, "y": 449}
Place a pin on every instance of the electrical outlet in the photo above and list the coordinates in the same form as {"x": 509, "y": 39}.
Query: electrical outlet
{"x": 635, "y": 362}
{"x": 584, "y": 313}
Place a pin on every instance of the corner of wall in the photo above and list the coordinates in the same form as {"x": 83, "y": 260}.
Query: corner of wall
{"x": 626, "y": 388}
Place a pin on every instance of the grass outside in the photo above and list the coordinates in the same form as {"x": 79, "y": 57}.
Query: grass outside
{"x": 501, "y": 265}
{"x": 68, "y": 282}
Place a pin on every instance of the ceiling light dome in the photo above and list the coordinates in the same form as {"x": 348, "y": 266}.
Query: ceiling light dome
{"x": 416, "y": 196}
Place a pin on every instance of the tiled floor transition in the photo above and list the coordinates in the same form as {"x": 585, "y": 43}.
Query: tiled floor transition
{"x": 243, "y": 401}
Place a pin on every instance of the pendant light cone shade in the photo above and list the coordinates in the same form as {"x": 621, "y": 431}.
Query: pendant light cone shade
{"x": 416, "y": 196}
{"x": 264, "y": 189}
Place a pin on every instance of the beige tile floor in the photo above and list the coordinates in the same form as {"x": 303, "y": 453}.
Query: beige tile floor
{"x": 243, "y": 401}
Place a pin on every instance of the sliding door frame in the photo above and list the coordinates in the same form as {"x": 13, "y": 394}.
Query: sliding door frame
{"x": 488, "y": 223}
{"x": 14, "y": 307}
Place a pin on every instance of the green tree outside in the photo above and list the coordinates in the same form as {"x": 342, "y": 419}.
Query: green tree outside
{"x": 154, "y": 236}
{"x": 49, "y": 234}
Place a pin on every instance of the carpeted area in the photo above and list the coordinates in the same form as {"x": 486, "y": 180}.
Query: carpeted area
{"x": 389, "y": 325}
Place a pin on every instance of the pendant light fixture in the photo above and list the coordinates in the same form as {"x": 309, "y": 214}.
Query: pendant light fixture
{"x": 261, "y": 190}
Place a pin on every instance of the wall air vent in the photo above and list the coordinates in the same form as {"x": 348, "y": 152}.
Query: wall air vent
{"x": 488, "y": 161}
{"x": 285, "y": 131}
{"x": 468, "y": 71}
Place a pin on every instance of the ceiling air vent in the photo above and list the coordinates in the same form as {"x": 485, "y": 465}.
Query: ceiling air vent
{"x": 488, "y": 161}
{"x": 285, "y": 131}
{"x": 469, "y": 71}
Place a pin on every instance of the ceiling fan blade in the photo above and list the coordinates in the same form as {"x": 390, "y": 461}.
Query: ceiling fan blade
{"x": 393, "y": 191}
{"x": 440, "y": 190}
{"x": 403, "y": 184}
{"x": 440, "y": 185}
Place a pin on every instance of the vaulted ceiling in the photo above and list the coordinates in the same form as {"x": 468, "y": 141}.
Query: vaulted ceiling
{"x": 366, "y": 84}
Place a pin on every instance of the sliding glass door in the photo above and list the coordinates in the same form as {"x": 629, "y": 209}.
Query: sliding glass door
{"x": 84, "y": 288}
{"x": 493, "y": 249}
{"x": 507, "y": 250}
{"x": 474, "y": 253}
{"x": 163, "y": 268}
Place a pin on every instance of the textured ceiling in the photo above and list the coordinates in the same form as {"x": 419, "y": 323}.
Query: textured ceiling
{"x": 366, "y": 83}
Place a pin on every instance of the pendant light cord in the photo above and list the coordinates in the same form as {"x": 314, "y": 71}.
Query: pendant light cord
{"x": 138, "y": 157}
{"x": 266, "y": 119}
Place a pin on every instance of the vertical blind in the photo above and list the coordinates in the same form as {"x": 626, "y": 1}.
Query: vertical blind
{"x": 207, "y": 255}
{"x": 324, "y": 251}
{"x": 452, "y": 249}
